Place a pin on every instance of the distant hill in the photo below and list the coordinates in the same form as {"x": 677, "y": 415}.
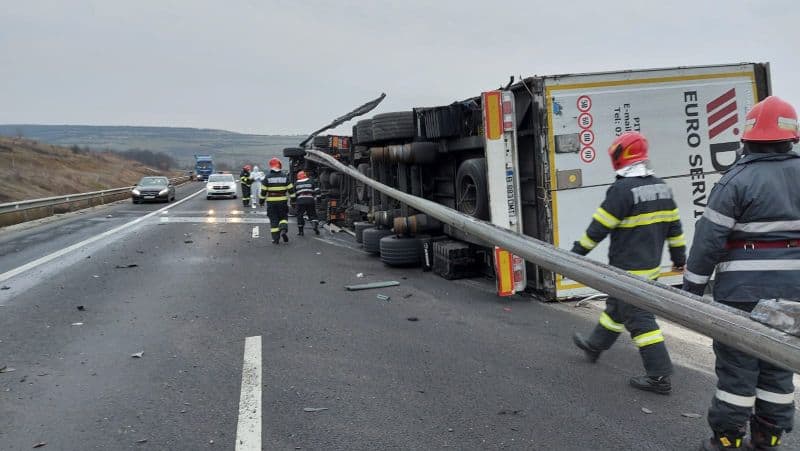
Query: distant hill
{"x": 30, "y": 170}
{"x": 182, "y": 144}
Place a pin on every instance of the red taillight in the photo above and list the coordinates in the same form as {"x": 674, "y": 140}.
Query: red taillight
{"x": 508, "y": 111}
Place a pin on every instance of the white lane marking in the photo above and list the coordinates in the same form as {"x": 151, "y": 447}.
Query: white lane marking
{"x": 248, "y": 431}
{"x": 256, "y": 231}
{"x": 61, "y": 252}
{"x": 214, "y": 220}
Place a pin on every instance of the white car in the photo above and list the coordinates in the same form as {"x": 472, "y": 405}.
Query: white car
{"x": 221, "y": 185}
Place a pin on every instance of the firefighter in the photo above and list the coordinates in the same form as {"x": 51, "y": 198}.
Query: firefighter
{"x": 276, "y": 190}
{"x": 307, "y": 192}
{"x": 750, "y": 233}
{"x": 247, "y": 181}
{"x": 639, "y": 213}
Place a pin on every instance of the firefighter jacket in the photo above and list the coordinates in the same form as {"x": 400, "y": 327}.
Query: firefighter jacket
{"x": 750, "y": 232}
{"x": 640, "y": 214}
{"x": 276, "y": 187}
{"x": 245, "y": 177}
{"x": 306, "y": 189}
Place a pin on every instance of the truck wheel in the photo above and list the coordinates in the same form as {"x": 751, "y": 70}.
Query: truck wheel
{"x": 364, "y": 131}
{"x": 401, "y": 250}
{"x": 393, "y": 126}
{"x": 294, "y": 152}
{"x": 472, "y": 194}
{"x": 372, "y": 239}
{"x": 359, "y": 227}
{"x": 335, "y": 180}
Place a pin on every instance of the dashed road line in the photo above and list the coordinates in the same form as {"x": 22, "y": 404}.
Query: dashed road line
{"x": 256, "y": 231}
{"x": 248, "y": 430}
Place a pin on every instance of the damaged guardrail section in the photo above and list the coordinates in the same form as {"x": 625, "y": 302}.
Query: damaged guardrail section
{"x": 28, "y": 210}
{"x": 720, "y": 322}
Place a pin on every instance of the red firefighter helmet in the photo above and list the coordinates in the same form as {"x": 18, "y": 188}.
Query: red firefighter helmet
{"x": 627, "y": 149}
{"x": 275, "y": 164}
{"x": 771, "y": 120}
{"x": 247, "y": 168}
{"x": 301, "y": 175}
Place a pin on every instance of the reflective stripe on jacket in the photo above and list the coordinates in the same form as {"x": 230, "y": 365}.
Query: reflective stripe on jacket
{"x": 640, "y": 214}
{"x": 245, "y": 178}
{"x": 306, "y": 189}
{"x": 757, "y": 200}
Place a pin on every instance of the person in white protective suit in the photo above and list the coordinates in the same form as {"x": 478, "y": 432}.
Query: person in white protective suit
{"x": 257, "y": 176}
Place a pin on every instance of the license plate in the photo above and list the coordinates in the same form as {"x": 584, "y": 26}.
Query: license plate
{"x": 149, "y": 197}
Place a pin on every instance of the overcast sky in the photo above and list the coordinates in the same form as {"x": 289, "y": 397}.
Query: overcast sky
{"x": 275, "y": 66}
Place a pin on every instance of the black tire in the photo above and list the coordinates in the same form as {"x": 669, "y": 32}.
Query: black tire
{"x": 364, "y": 131}
{"x": 134, "y": 201}
{"x": 234, "y": 196}
{"x": 294, "y": 152}
{"x": 208, "y": 197}
{"x": 393, "y": 126}
{"x": 335, "y": 180}
{"x": 359, "y": 227}
{"x": 372, "y": 239}
{"x": 472, "y": 194}
{"x": 321, "y": 142}
{"x": 401, "y": 250}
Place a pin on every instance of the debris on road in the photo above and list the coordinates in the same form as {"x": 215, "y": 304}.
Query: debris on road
{"x": 81, "y": 308}
{"x": 188, "y": 241}
{"x": 691, "y": 415}
{"x": 77, "y": 324}
{"x": 40, "y": 445}
{"x": 132, "y": 265}
{"x": 5, "y": 369}
{"x": 412, "y": 318}
{"x": 369, "y": 286}
{"x": 322, "y": 282}
{"x": 506, "y": 309}
{"x": 95, "y": 276}
{"x": 314, "y": 409}
{"x": 383, "y": 297}
{"x": 406, "y": 296}
{"x": 360, "y": 275}
{"x": 511, "y": 412}
{"x": 646, "y": 410}
{"x": 137, "y": 355}
{"x": 5, "y": 287}
{"x": 144, "y": 440}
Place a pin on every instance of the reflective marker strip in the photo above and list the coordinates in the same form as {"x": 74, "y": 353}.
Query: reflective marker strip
{"x": 774, "y": 398}
{"x": 759, "y": 265}
{"x": 610, "y": 324}
{"x": 736, "y": 400}
{"x": 677, "y": 241}
{"x": 587, "y": 242}
{"x": 275, "y": 229}
{"x": 649, "y": 338}
{"x": 646, "y": 273}
{"x": 605, "y": 218}
{"x": 787, "y": 123}
{"x": 771, "y": 226}
{"x": 718, "y": 218}
{"x": 650, "y": 218}
{"x": 695, "y": 278}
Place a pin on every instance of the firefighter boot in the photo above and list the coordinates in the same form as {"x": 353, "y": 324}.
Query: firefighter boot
{"x": 300, "y": 231}
{"x": 724, "y": 440}
{"x": 245, "y": 202}
{"x": 764, "y": 436}
{"x": 591, "y": 352}
{"x": 284, "y": 236}
{"x": 660, "y": 384}
{"x": 316, "y": 226}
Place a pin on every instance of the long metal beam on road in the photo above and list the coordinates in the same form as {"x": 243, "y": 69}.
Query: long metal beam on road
{"x": 715, "y": 320}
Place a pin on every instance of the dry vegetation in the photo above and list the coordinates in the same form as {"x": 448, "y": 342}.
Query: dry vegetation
{"x": 30, "y": 170}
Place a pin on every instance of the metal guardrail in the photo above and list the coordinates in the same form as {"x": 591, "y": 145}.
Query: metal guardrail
{"x": 58, "y": 200}
{"x": 720, "y": 322}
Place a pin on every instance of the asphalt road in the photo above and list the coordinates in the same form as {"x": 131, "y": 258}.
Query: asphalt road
{"x": 471, "y": 372}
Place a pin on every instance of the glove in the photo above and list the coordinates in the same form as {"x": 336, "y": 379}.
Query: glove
{"x": 578, "y": 249}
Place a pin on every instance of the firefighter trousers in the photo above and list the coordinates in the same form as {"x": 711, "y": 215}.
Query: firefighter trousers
{"x": 246, "y": 193}
{"x": 746, "y": 384}
{"x": 643, "y": 329}
{"x": 306, "y": 207}
{"x": 278, "y": 213}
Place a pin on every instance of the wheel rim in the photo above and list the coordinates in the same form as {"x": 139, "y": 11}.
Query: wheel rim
{"x": 468, "y": 196}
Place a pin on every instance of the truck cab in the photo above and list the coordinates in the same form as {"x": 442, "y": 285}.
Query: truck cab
{"x": 203, "y": 167}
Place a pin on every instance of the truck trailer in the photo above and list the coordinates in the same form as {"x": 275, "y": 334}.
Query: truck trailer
{"x": 203, "y": 167}
{"x": 531, "y": 156}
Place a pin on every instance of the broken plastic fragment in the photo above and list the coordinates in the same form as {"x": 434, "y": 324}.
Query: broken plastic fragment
{"x": 314, "y": 409}
{"x": 137, "y": 355}
{"x": 646, "y": 410}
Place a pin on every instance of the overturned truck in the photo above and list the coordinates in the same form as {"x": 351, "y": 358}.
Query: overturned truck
{"x": 530, "y": 157}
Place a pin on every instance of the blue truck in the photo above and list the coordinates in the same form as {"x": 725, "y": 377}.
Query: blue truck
{"x": 203, "y": 166}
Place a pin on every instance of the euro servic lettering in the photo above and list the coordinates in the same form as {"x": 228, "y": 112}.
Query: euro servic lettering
{"x": 693, "y": 140}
